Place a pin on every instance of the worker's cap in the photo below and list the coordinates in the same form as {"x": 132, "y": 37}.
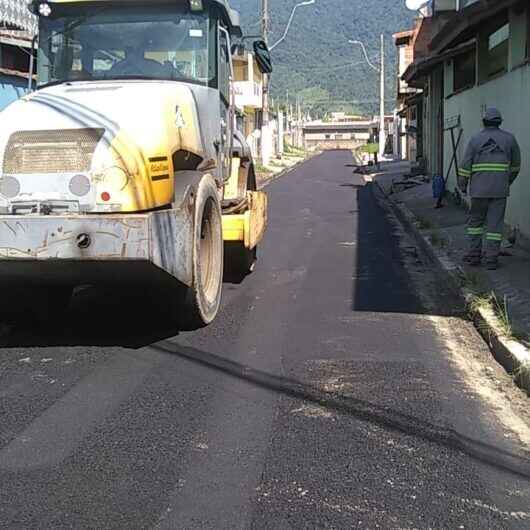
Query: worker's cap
{"x": 493, "y": 115}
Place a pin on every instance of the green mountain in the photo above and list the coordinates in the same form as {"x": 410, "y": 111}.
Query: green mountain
{"x": 316, "y": 62}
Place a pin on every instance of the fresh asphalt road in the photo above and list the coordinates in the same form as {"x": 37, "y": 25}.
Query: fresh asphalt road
{"x": 331, "y": 392}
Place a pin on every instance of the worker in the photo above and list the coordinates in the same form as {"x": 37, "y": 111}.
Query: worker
{"x": 491, "y": 164}
{"x": 135, "y": 63}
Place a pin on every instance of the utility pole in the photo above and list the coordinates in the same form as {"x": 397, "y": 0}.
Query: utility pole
{"x": 381, "y": 70}
{"x": 265, "y": 133}
{"x": 299, "y": 110}
{"x": 299, "y": 132}
{"x": 287, "y": 111}
{"x": 382, "y": 132}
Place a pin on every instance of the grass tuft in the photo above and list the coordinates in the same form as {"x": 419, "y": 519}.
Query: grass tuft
{"x": 438, "y": 240}
{"x": 522, "y": 374}
{"x": 424, "y": 224}
{"x": 260, "y": 168}
{"x": 499, "y": 309}
{"x": 480, "y": 301}
{"x": 472, "y": 280}
{"x": 292, "y": 150}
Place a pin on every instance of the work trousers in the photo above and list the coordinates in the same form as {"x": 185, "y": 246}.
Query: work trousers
{"x": 486, "y": 219}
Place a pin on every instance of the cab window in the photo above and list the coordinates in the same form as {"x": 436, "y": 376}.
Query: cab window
{"x": 225, "y": 71}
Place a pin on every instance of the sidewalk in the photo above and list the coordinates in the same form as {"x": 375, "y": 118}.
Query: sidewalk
{"x": 444, "y": 231}
{"x": 277, "y": 167}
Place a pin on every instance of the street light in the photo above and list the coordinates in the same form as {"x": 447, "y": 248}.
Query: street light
{"x": 265, "y": 27}
{"x": 361, "y": 44}
{"x": 381, "y": 70}
{"x": 301, "y": 4}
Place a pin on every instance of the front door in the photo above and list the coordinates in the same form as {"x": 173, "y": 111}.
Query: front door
{"x": 226, "y": 96}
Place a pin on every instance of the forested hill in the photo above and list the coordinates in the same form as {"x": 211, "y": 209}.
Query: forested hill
{"x": 316, "y": 60}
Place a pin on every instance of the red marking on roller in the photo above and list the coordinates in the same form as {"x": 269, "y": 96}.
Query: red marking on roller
{"x": 105, "y": 196}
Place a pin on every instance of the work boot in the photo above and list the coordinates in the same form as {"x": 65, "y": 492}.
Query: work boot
{"x": 472, "y": 260}
{"x": 492, "y": 265}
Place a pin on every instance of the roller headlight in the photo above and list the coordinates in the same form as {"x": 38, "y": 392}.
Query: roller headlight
{"x": 9, "y": 187}
{"x": 79, "y": 185}
{"x": 113, "y": 178}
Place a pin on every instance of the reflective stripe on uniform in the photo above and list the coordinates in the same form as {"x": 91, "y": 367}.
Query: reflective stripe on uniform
{"x": 475, "y": 231}
{"x": 490, "y": 167}
{"x": 493, "y": 236}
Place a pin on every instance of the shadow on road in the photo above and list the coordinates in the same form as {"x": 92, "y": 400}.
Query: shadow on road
{"x": 382, "y": 283}
{"x": 130, "y": 317}
{"x": 96, "y": 317}
{"x": 385, "y": 417}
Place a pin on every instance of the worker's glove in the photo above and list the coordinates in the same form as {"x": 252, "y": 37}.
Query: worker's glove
{"x": 462, "y": 186}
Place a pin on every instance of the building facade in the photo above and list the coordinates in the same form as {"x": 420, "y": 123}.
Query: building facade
{"x": 340, "y": 132}
{"x": 479, "y": 57}
{"x": 248, "y": 93}
{"x": 406, "y": 119}
{"x": 17, "y": 28}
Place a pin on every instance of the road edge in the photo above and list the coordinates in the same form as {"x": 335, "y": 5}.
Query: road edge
{"x": 511, "y": 354}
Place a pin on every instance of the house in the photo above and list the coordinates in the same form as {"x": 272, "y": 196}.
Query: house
{"x": 478, "y": 56}
{"x": 407, "y": 123}
{"x": 18, "y": 26}
{"x": 413, "y": 47}
{"x": 339, "y": 132}
{"x": 248, "y": 90}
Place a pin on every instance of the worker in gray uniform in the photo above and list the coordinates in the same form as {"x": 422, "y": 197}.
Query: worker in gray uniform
{"x": 491, "y": 164}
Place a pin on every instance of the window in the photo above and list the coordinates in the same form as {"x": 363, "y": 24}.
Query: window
{"x": 498, "y": 49}
{"x": 464, "y": 71}
{"x": 240, "y": 123}
{"x": 115, "y": 42}
{"x": 14, "y": 57}
{"x": 224, "y": 65}
{"x": 462, "y": 4}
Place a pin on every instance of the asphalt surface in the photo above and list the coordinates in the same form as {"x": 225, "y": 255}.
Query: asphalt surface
{"x": 324, "y": 395}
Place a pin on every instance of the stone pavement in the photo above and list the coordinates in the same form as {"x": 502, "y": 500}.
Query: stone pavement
{"x": 446, "y": 229}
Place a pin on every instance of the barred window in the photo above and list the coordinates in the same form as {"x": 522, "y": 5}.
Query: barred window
{"x": 465, "y": 71}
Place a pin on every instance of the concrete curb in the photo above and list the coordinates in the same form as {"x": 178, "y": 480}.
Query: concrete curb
{"x": 511, "y": 354}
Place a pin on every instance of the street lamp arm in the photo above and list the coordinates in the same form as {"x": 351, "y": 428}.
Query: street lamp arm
{"x": 370, "y": 64}
{"x": 306, "y": 3}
